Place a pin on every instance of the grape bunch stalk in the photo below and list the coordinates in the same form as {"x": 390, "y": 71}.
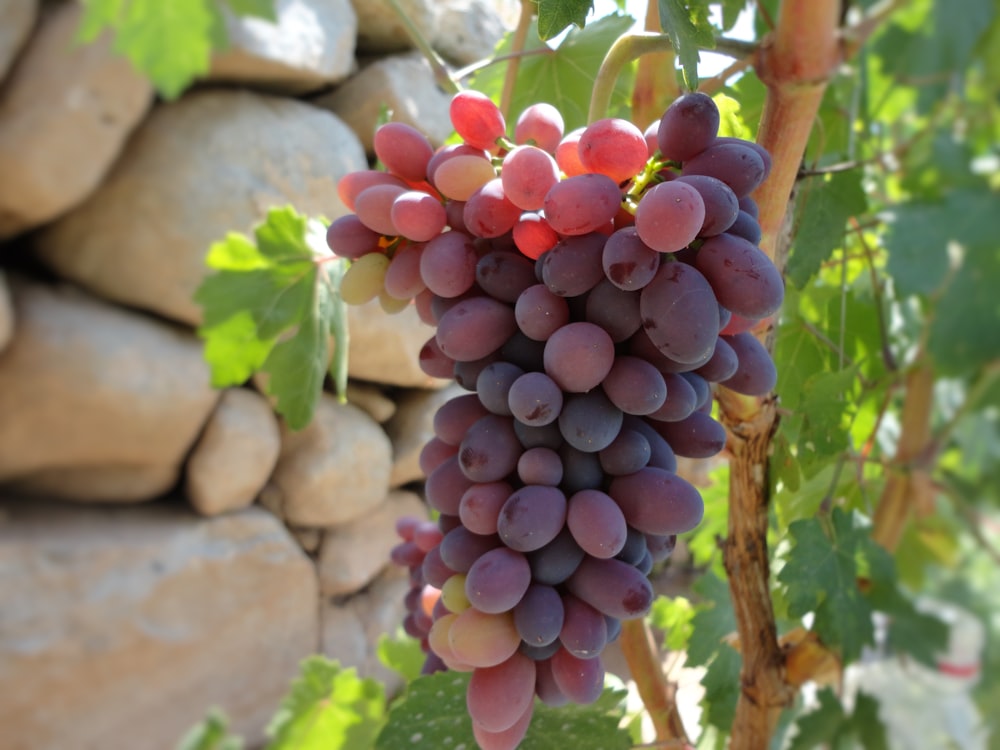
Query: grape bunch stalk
{"x": 588, "y": 290}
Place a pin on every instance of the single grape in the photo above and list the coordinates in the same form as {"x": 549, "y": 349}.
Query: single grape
{"x": 349, "y": 238}
{"x": 474, "y": 328}
{"x": 460, "y": 176}
{"x": 540, "y": 465}
{"x": 540, "y": 313}
{"x": 477, "y": 119}
{"x": 532, "y": 517}
{"x": 374, "y": 207}
{"x": 755, "y": 375}
{"x": 612, "y": 587}
{"x": 418, "y": 216}
{"x": 579, "y": 356}
{"x": 350, "y": 186}
{"x": 364, "y": 279}
{"x": 582, "y": 203}
{"x": 721, "y": 204}
{"x": 634, "y": 548}
{"x": 661, "y": 455}
{"x": 460, "y": 548}
{"x": 628, "y": 453}
{"x": 541, "y": 123}
{"x": 402, "y": 278}
{"x": 580, "y": 680}
{"x": 635, "y": 386}
{"x": 446, "y": 485}
{"x": 533, "y": 235}
{"x": 568, "y": 154}
{"x": 433, "y": 361}
{"x": 488, "y": 212}
{"x": 480, "y": 506}
{"x": 556, "y": 561}
{"x": 539, "y": 615}
{"x": 433, "y": 454}
{"x": 688, "y": 127}
{"x": 498, "y": 696}
{"x": 535, "y": 399}
{"x": 482, "y": 639}
{"x": 454, "y": 417}
{"x": 527, "y": 174}
{"x": 596, "y": 523}
{"x": 680, "y": 313}
{"x": 403, "y": 150}
{"x": 722, "y": 365}
{"x": 656, "y": 501}
{"x": 613, "y": 147}
{"x": 504, "y": 276}
{"x": 584, "y": 632}
{"x": 736, "y": 163}
{"x": 746, "y": 226}
{"x": 680, "y": 402}
{"x": 498, "y": 580}
{"x": 614, "y": 310}
{"x": 489, "y": 450}
{"x": 589, "y": 421}
{"x": 695, "y": 436}
{"x": 744, "y": 279}
{"x": 628, "y": 262}
{"x": 669, "y": 216}
{"x": 453, "y": 594}
{"x": 573, "y": 266}
{"x": 508, "y": 739}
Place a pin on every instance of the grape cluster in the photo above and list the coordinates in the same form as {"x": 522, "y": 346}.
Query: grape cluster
{"x": 587, "y": 290}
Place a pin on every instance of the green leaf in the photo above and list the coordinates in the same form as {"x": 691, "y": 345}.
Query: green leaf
{"x": 713, "y": 621}
{"x": 820, "y": 726}
{"x": 867, "y": 725}
{"x": 563, "y": 77}
{"x": 673, "y": 615}
{"x": 823, "y": 206}
{"x": 211, "y": 734}
{"x": 556, "y": 15}
{"x": 328, "y": 708}
{"x": 272, "y": 306}
{"x": 590, "y": 727}
{"x": 722, "y": 688}
{"x": 821, "y": 573}
{"x": 824, "y": 401}
{"x": 169, "y": 42}
{"x": 687, "y": 24}
{"x": 401, "y": 654}
{"x": 430, "y": 716}
{"x": 731, "y": 10}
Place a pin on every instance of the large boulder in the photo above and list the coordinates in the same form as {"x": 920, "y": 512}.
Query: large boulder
{"x": 467, "y": 30}
{"x": 352, "y": 554}
{"x": 208, "y": 164}
{"x": 123, "y": 626}
{"x": 381, "y": 30}
{"x": 310, "y": 45}
{"x": 18, "y": 19}
{"x": 334, "y": 470}
{"x": 386, "y": 348}
{"x": 402, "y": 84}
{"x": 235, "y": 454}
{"x": 65, "y": 114}
{"x": 88, "y": 389}
{"x": 412, "y": 427}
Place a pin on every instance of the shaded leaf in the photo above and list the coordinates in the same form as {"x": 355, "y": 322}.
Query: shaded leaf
{"x": 556, "y": 15}
{"x": 686, "y": 23}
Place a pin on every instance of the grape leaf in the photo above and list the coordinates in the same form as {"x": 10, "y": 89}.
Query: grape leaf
{"x": 673, "y": 615}
{"x": 328, "y": 708}
{"x": 563, "y": 77}
{"x": 722, "y": 687}
{"x": 822, "y": 208}
{"x": 211, "y": 734}
{"x": 589, "y": 727}
{"x": 431, "y": 714}
{"x": 820, "y": 726}
{"x": 169, "y": 42}
{"x": 687, "y": 24}
{"x": 556, "y": 15}
{"x": 402, "y": 654}
{"x": 272, "y": 306}
{"x": 713, "y": 621}
{"x": 821, "y": 573}
{"x": 731, "y": 10}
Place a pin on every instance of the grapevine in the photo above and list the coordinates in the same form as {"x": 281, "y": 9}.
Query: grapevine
{"x": 588, "y": 291}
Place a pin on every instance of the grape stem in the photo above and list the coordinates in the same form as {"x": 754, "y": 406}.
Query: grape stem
{"x": 441, "y": 74}
{"x": 625, "y": 49}
{"x": 657, "y": 693}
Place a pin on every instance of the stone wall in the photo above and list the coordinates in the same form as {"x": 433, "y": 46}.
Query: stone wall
{"x": 164, "y": 546}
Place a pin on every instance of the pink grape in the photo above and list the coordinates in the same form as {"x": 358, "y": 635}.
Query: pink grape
{"x": 613, "y": 147}
{"x": 404, "y": 150}
{"x": 541, "y": 123}
{"x": 477, "y": 119}
{"x": 527, "y": 175}
{"x": 669, "y": 216}
{"x": 582, "y": 204}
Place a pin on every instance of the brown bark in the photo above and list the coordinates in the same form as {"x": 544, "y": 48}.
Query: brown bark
{"x": 658, "y": 694}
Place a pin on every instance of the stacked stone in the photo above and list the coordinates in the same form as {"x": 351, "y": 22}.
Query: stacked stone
{"x": 165, "y": 545}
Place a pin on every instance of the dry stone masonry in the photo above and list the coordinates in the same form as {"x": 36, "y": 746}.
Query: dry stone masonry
{"x": 165, "y": 545}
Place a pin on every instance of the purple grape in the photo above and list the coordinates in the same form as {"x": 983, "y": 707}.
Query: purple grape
{"x": 589, "y": 421}
{"x": 535, "y": 399}
{"x": 656, "y": 501}
{"x": 628, "y": 262}
{"x": 490, "y": 450}
{"x": 497, "y": 580}
{"x": 679, "y": 313}
{"x": 532, "y": 517}
{"x": 539, "y": 615}
{"x": 596, "y": 523}
{"x": 612, "y": 587}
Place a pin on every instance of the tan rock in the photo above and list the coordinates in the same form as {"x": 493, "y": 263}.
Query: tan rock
{"x": 403, "y": 84}
{"x": 309, "y": 539}
{"x": 372, "y": 400}
{"x": 235, "y": 454}
{"x": 352, "y": 627}
{"x": 466, "y": 31}
{"x": 353, "y": 553}
{"x": 6, "y": 312}
{"x": 65, "y": 113}
{"x": 380, "y": 29}
{"x": 334, "y": 470}
{"x": 134, "y": 621}
{"x": 385, "y": 348}
{"x": 86, "y": 388}
{"x": 311, "y": 45}
{"x": 412, "y": 427}
{"x": 99, "y": 484}
{"x": 200, "y": 167}
{"x": 18, "y": 19}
